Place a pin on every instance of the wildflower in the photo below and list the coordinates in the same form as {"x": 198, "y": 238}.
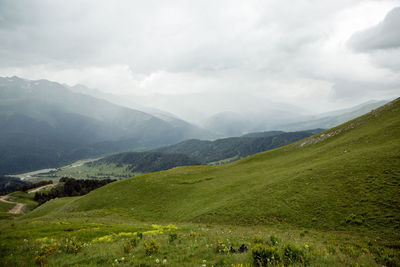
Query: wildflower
{"x": 204, "y": 261}
{"x": 157, "y": 261}
{"x": 164, "y": 261}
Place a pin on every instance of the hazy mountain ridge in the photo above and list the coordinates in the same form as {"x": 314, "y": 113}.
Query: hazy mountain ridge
{"x": 44, "y": 124}
{"x": 227, "y": 124}
{"x": 128, "y": 102}
{"x": 334, "y": 118}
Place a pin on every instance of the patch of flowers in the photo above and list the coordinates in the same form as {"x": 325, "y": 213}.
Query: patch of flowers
{"x": 49, "y": 246}
{"x": 151, "y": 247}
{"x": 158, "y": 229}
{"x": 289, "y": 254}
{"x": 221, "y": 247}
{"x": 72, "y": 246}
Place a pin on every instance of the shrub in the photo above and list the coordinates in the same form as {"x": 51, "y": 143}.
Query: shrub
{"x": 387, "y": 257}
{"x": 220, "y": 247}
{"x": 151, "y": 247}
{"x": 273, "y": 240}
{"x": 354, "y": 219}
{"x": 127, "y": 247}
{"x": 130, "y": 244}
{"x": 292, "y": 254}
{"x": 264, "y": 255}
{"x": 40, "y": 260}
{"x": 303, "y": 233}
{"x": 139, "y": 235}
{"x": 46, "y": 250}
{"x": 349, "y": 250}
{"x": 258, "y": 239}
{"x": 172, "y": 237}
{"x": 71, "y": 246}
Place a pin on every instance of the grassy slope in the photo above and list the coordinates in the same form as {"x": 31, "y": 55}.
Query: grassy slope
{"x": 348, "y": 181}
{"x": 314, "y": 186}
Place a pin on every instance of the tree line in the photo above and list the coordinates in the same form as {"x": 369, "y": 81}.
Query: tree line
{"x": 69, "y": 187}
{"x": 34, "y": 185}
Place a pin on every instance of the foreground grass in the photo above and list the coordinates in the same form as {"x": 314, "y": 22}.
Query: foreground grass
{"x": 102, "y": 239}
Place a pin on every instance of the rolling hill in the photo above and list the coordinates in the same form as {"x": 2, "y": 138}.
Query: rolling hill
{"x": 329, "y": 200}
{"x": 344, "y": 178}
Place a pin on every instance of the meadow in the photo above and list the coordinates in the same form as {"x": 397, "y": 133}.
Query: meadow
{"x": 329, "y": 200}
{"x": 108, "y": 239}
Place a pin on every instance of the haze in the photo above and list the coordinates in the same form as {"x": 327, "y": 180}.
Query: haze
{"x": 199, "y": 58}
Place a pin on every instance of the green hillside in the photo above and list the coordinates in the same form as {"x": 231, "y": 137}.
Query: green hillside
{"x": 344, "y": 178}
{"x": 329, "y": 200}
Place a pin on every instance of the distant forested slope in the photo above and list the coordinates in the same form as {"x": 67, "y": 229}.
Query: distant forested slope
{"x": 143, "y": 162}
{"x": 10, "y": 184}
{"x": 235, "y": 147}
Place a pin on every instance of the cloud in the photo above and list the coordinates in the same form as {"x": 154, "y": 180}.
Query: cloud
{"x": 381, "y": 42}
{"x": 270, "y": 49}
{"x": 385, "y": 35}
{"x": 359, "y": 89}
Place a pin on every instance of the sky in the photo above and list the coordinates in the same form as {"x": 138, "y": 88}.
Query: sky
{"x": 209, "y": 56}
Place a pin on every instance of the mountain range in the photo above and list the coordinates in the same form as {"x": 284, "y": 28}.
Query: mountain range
{"x": 45, "y": 124}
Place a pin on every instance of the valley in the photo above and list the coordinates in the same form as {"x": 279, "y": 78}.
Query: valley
{"x": 330, "y": 199}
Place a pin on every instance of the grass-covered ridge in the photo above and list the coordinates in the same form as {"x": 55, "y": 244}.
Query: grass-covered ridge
{"x": 344, "y": 178}
{"x": 330, "y": 200}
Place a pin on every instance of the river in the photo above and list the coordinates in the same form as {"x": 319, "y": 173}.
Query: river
{"x": 32, "y": 174}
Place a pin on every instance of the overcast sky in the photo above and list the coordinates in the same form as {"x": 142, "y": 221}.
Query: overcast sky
{"x": 317, "y": 54}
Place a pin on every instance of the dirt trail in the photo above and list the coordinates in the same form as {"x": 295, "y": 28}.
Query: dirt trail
{"x": 45, "y": 187}
{"x": 17, "y": 209}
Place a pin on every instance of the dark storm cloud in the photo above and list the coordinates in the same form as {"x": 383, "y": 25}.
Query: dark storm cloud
{"x": 385, "y": 35}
